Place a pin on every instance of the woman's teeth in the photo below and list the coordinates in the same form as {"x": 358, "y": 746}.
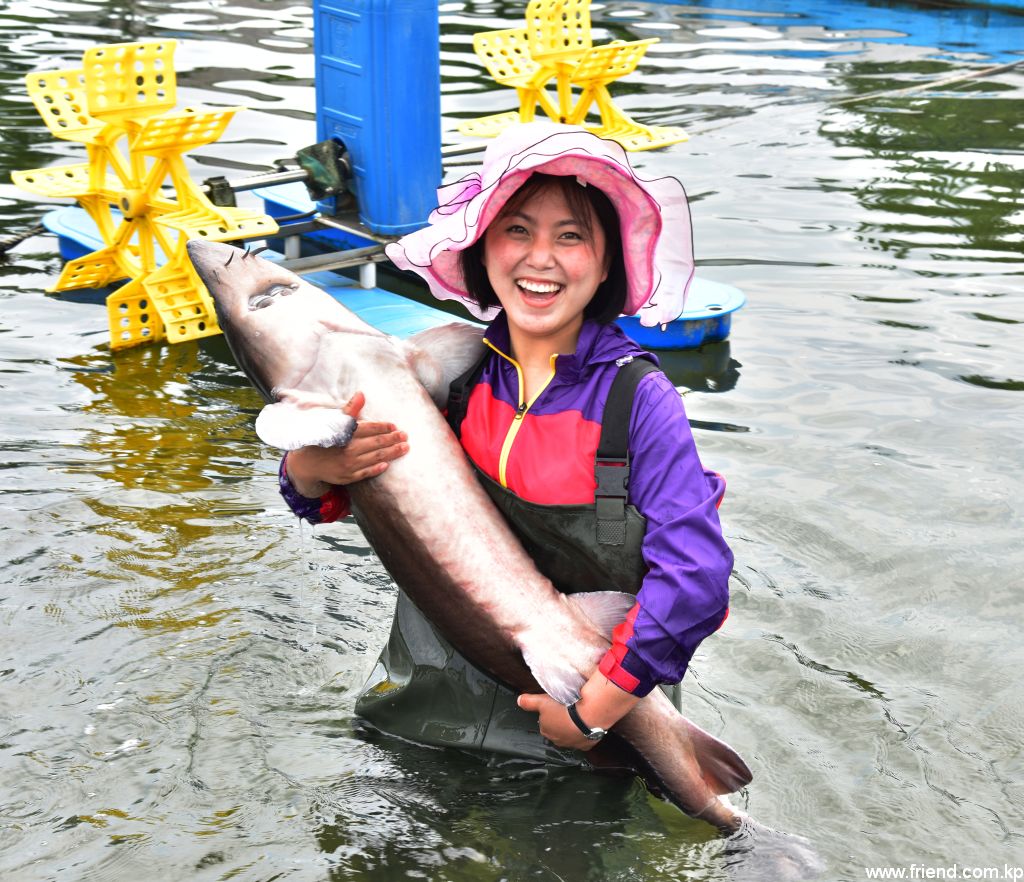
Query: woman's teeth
{"x": 538, "y": 287}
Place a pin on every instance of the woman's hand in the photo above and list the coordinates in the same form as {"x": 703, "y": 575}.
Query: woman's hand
{"x": 602, "y": 704}
{"x": 312, "y": 470}
{"x": 555, "y": 724}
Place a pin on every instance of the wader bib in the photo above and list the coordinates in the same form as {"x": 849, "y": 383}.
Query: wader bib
{"x": 423, "y": 689}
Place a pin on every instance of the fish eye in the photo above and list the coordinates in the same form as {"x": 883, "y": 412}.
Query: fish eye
{"x": 265, "y": 298}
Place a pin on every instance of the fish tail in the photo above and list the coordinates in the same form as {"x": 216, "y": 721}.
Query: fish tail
{"x": 688, "y": 765}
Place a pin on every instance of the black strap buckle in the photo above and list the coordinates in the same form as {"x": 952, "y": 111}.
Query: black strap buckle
{"x": 612, "y": 477}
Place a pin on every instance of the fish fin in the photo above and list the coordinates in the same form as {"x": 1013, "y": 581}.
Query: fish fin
{"x": 721, "y": 767}
{"x": 287, "y": 426}
{"x": 440, "y": 355}
{"x": 606, "y": 609}
{"x": 561, "y": 681}
{"x": 703, "y": 760}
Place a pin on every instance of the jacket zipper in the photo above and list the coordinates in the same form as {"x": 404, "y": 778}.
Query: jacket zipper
{"x": 521, "y": 411}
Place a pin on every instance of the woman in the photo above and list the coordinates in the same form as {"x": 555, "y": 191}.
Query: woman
{"x": 553, "y": 239}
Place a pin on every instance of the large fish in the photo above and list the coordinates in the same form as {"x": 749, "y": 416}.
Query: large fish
{"x": 432, "y": 525}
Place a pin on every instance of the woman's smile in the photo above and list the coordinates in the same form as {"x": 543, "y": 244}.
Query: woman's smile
{"x": 538, "y": 294}
{"x": 532, "y": 287}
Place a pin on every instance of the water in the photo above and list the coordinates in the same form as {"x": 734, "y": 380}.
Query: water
{"x": 180, "y": 660}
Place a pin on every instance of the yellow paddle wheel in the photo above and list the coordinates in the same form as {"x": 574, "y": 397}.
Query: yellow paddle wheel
{"x": 135, "y": 187}
{"x": 556, "y": 45}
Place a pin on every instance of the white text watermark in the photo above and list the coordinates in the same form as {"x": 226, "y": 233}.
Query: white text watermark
{"x": 952, "y": 871}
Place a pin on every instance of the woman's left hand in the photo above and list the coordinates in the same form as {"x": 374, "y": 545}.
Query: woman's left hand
{"x": 602, "y": 704}
{"x": 555, "y": 724}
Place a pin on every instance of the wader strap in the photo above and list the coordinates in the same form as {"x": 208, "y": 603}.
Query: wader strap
{"x": 458, "y": 394}
{"x": 611, "y": 466}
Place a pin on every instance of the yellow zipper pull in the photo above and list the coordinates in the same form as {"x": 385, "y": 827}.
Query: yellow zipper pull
{"x": 521, "y": 411}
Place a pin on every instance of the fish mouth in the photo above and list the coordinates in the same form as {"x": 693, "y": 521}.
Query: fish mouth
{"x": 207, "y": 258}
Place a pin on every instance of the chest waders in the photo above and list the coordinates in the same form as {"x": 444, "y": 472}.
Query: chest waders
{"x": 423, "y": 689}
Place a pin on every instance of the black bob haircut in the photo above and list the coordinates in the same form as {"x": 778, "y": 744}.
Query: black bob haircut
{"x": 585, "y": 203}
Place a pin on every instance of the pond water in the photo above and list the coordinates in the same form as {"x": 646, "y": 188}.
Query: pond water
{"x": 179, "y": 660}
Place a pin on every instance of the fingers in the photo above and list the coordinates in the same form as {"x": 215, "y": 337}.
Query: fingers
{"x": 366, "y": 430}
{"x": 553, "y": 721}
{"x": 531, "y": 703}
{"x": 372, "y": 447}
{"x": 355, "y": 404}
{"x": 374, "y": 461}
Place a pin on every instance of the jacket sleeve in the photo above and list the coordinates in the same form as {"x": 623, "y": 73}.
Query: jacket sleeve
{"x": 332, "y": 506}
{"x": 685, "y": 594}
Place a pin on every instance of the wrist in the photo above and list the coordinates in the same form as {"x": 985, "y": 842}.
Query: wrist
{"x": 602, "y": 704}
{"x": 304, "y": 484}
{"x": 591, "y": 733}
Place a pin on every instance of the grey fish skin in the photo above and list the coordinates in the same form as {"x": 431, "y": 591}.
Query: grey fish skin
{"x": 427, "y": 518}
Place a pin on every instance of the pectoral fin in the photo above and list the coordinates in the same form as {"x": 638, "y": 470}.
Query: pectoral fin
{"x": 606, "y": 609}
{"x": 561, "y": 681}
{"x": 558, "y": 678}
{"x": 288, "y": 426}
{"x": 439, "y": 355}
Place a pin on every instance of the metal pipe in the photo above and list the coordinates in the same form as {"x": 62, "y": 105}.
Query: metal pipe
{"x": 368, "y": 275}
{"x": 336, "y": 260}
{"x": 292, "y": 247}
{"x": 267, "y": 180}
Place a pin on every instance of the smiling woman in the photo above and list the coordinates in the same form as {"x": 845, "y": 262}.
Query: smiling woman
{"x": 563, "y": 236}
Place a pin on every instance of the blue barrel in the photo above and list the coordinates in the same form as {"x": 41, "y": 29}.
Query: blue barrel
{"x": 378, "y": 89}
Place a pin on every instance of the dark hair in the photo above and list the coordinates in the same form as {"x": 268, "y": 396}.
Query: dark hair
{"x": 585, "y": 203}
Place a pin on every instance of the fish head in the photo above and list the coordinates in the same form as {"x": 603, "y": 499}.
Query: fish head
{"x": 272, "y": 319}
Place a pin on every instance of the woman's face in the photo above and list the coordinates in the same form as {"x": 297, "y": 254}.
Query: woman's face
{"x": 545, "y": 267}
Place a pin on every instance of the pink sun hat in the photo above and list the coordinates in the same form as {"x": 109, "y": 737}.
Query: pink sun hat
{"x": 654, "y": 216}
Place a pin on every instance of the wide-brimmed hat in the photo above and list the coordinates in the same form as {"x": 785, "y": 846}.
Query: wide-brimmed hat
{"x": 654, "y": 216}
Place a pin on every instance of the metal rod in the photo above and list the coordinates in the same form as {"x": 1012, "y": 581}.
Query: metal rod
{"x": 368, "y": 275}
{"x": 335, "y": 260}
{"x": 932, "y": 84}
{"x": 267, "y": 180}
{"x": 349, "y": 223}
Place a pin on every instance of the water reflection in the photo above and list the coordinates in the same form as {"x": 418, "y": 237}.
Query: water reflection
{"x": 945, "y": 192}
{"x": 940, "y": 189}
{"x": 500, "y": 816}
{"x": 710, "y": 368}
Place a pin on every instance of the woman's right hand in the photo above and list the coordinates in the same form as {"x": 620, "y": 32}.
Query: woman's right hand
{"x": 312, "y": 470}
